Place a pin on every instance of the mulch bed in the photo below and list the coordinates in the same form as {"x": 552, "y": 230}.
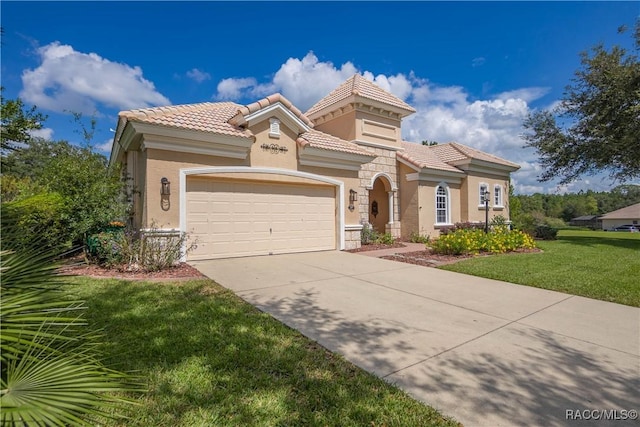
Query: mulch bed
{"x": 181, "y": 271}
{"x": 377, "y": 246}
{"x": 428, "y": 259}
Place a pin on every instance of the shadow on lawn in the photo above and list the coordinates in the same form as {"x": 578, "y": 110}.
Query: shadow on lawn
{"x": 213, "y": 360}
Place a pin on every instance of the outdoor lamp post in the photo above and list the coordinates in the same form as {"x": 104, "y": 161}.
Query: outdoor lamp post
{"x": 485, "y": 198}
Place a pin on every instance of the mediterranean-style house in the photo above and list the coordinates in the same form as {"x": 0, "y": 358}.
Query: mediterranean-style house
{"x": 266, "y": 178}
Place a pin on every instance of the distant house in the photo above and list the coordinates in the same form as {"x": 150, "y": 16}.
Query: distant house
{"x": 591, "y": 221}
{"x": 628, "y": 215}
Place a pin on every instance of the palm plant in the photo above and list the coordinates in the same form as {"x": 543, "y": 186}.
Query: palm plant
{"x": 51, "y": 372}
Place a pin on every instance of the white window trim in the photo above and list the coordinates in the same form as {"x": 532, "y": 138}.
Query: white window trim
{"x": 480, "y": 203}
{"x": 448, "y": 205}
{"x": 500, "y": 202}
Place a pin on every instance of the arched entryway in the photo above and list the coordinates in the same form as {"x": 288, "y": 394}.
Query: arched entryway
{"x": 381, "y": 203}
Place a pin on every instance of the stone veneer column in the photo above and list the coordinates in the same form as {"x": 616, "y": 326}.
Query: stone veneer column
{"x": 386, "y": 163}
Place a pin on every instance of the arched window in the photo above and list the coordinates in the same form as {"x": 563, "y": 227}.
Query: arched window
{"x": 442, "y": 204}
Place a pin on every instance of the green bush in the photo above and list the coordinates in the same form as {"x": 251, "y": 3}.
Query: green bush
{"x": 38, "y": 221}
{"x": 368, "y": 235}
{"x": 544, "y": 232}
{"x": 386, "y": 239}
{"x": 152, "y": 250}
{"x": 416, "y": 237}
{"x": 462, "y": 226}
{"x": 467, "y": 241}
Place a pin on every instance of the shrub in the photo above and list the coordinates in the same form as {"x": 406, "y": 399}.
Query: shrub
{"x": 544, "y": 232}
{"x": 462, "y": 226}
{"x": 475, "y": 241}
{"x": 152, "y": 250}
{"x": 368, "y": 235}
{"x": 40, "y": 221}
{"x": 416, "y": 237}
{"x": 386, "y": 239}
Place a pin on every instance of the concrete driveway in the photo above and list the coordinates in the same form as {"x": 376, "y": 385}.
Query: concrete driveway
{"x": 485, "y": 352}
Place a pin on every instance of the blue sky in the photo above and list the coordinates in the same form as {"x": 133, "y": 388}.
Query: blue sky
{"x": 472, "y": 70}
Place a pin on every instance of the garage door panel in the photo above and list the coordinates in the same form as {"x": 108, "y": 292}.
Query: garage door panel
{"x": 250, "y": 218}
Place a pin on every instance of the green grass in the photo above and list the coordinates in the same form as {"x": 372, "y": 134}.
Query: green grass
{"x": 594, "y": 264}
{"x": 210, "y": 359}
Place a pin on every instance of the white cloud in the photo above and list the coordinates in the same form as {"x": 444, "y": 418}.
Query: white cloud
{"x": 302, "y": 81}
{"x": 105, "y": 147}
{"x": 233, "y": 88}
{"x": 44, "y": 133}
{"x": 198, "y": 76}
{"x": 479, "y": 61}
{"x": 74, "y": 81}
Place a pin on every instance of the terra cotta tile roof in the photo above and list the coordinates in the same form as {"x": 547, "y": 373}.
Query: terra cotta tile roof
{"x": 424, "y": 157}
{"x": 481, "y": 155}
{"x": 317, "y": 139}
{"x": 355, "y": 86}
{"x": 443, "y": 156}
{"x": 206, "y": 117}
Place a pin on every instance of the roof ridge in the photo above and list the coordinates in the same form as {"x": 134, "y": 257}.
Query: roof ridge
{"x": 265, "y": 102}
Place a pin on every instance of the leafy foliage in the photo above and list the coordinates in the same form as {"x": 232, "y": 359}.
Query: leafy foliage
{"x": 602, "y": 106}
{"x": 472, "y": 241}
{"x": 42, "y": 221}
{"x": 91, "y": 192}
{"x": 16, "y": 122}
{"x": 545, "y": 232}
{"x": 151, "y": 250}
{"x": 416, "y": 237}
{"x": 51, "y": 373}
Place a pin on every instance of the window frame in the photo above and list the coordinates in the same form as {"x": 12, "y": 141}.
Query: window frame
{"x": 498, "y": 201}
{"x": 481, "y": 193}
{"x": 447, "y": 204}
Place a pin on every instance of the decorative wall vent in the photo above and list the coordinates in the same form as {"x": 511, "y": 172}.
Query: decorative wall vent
{"x": 274, "y": 128}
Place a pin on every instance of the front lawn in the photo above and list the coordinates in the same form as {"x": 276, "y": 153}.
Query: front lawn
{"x": 594, "y": 264}
{"x": 210, "y": 359}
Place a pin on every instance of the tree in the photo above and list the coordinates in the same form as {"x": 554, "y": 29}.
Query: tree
{"x": 602, "y": 107}
{"x": 429, "y": 143}
{"x": 92, "y": 192}
{"x": 17, "y": 122}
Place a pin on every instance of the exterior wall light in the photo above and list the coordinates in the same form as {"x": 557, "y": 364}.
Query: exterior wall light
{"x": 353, "y": 197}
{"x": 165, "y": 187}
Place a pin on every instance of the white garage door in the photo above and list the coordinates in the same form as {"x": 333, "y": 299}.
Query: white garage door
{"x": 242, "y": 218}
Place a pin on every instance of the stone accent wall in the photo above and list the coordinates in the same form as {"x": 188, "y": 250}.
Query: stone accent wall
{"x": 352, "y": 239}
{"x": 385, "y": 162}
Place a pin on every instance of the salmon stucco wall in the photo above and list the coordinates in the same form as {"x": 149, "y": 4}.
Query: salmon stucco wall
{"x": 409, "y": 203}
{"x": 427, "y": 206}
{"x": 472, "y": 209}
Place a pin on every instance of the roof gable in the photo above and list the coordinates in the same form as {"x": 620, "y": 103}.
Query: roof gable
{"x": 359, "y": 89}
{"x": 265, "y": 108}
{"x": 629, "y": 212}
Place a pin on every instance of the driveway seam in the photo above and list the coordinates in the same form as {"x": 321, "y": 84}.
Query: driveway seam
{"x": 479, "y": 336}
